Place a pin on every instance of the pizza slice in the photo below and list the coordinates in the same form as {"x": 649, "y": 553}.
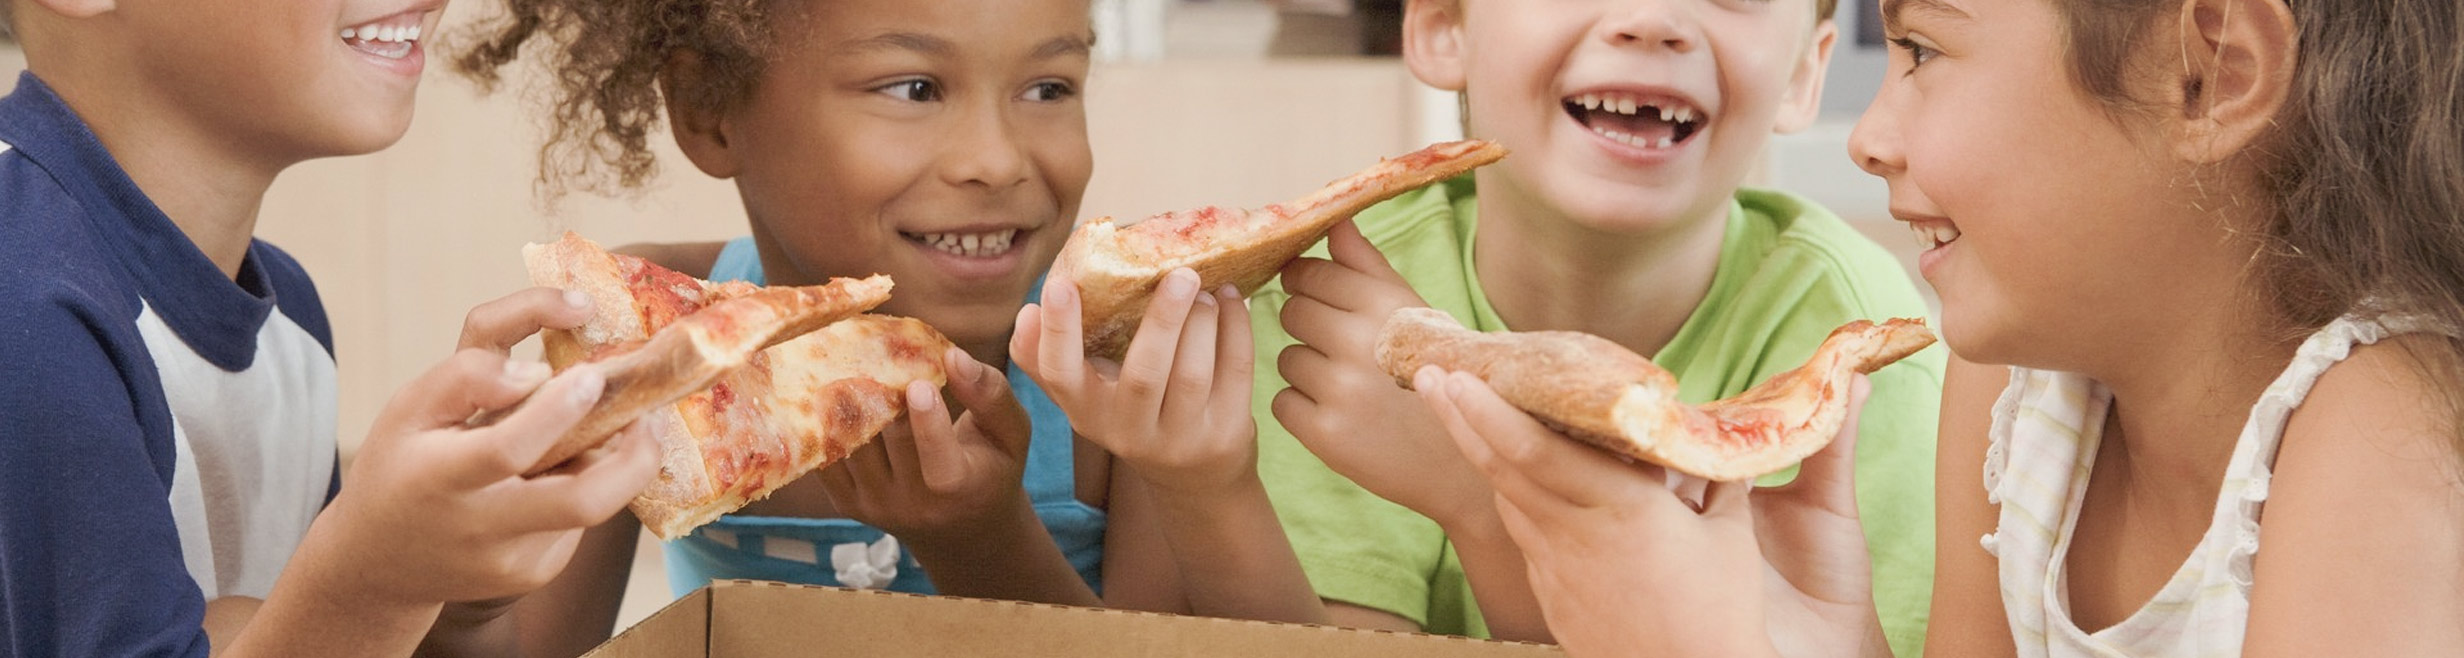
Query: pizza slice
{"x": 1117, "y": 266}
{"x": 1606, "y": 395}
{"x": 810, "y": 381}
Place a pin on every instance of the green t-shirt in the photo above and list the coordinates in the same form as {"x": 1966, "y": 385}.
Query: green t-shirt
{"x": 1789, "y": 273}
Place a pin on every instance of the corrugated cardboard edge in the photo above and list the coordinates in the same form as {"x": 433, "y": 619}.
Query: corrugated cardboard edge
{"x": 862, "y": 622}
{"x": 680, "y": 629}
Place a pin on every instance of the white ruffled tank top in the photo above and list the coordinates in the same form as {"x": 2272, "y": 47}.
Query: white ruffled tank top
{"x": 2048, "y": 425}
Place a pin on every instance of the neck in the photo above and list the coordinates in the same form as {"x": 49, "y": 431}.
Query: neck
{"x": 1542, "y": 271}
{"x": 2183, "y": 387}
{"x": 203, "y": 180}
{"x": 991, "y": 353}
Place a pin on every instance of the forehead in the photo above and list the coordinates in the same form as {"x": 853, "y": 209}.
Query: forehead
{"x": 941, "y": 27}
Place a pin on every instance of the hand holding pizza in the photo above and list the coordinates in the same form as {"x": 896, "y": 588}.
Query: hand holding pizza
{"x": 1344, "y": 408}
{"x": 1176, "y": 409}
{"x": 1620, "y": 563}
{"x": 439, "y": 511}
{"x": 928, "y": 478}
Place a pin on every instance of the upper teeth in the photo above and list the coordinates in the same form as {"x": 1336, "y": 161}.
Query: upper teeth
{"x": 1629, "y": 105}
{"x": 1934, "y": 235}
{"x": 970, "y": 244}
{"x": 374, "y": 32}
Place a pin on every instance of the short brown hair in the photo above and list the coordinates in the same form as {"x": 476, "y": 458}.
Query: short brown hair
{"x": 607, "y": 60}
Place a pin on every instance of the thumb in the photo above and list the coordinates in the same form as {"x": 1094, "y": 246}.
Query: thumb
{"x": 1353, "y": 251}
{"x": 1831, "y": 472}
{"x": 991, "y": 410}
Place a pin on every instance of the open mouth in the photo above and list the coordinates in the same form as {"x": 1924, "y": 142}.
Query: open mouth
{"x": 391, "y": 37}
{"x": 1647, "y": 121}
{"x": 986, "y": 244}
{"x": 1932, "y": 235}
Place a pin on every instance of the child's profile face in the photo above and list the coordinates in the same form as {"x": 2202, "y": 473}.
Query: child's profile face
{"x": 280, "y": 77}
{"x": 2058, "y": 214}
{"x": 1708, "y": 82}
{"x": 943, "y": 143}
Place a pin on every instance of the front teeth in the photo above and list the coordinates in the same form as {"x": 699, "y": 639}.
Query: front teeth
{"x": 1929, "y": 236}
{"x": 1637, "y": 140}
{"x": 381, "y": 33}
{"x": 976, "y": 245}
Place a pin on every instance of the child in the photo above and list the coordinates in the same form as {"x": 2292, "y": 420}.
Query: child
{"x": 941, "y": 143}
{"x": 1618, "y": 214}
{"x": 2216, "y": 240}
{"x": 167, "y": 456}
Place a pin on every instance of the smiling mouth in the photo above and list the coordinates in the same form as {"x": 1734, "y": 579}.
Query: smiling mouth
{"x": 1931, "y": 236}
{"x": 391, "y": 37}
{"x": 1637, "y": 120}
{"x": 987, "y": 244}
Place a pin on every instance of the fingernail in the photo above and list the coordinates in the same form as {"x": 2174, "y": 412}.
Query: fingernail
{"x": 1181, "y": 283}
{"x": 587, "y": 385}
{"x": 920, "y": 396}
{"x": 1208, "y": 300}
{"x": 1423, "y": 379}
{"x": 1228, "y": 293}
{"x": 526, "y": 374}
{"x": 576, "y": 299}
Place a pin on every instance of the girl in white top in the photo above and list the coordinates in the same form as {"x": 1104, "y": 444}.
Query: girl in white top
{"x": 2220, "y": 246}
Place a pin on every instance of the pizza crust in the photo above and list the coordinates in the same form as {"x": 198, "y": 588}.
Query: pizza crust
{"x": 1604, "y": 394}
{"x": 1117, "y": 266}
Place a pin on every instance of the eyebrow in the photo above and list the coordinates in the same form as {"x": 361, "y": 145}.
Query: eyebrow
{"x": 1064, "y": 47}
{"x": 1891, "y": 9}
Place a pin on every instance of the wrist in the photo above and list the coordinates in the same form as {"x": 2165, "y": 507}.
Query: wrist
{"x": 995, "y": 523}
{"x": 1184, "y": 495}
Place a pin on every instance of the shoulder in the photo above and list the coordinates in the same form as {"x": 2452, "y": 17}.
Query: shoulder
{"x": 2362, "y": 538}
{"x": 1815, "y": 253}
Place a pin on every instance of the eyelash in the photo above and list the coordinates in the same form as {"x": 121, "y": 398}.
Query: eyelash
{"x": 914, "y": 91}
{"x": 1054, "y": 91}
{"x": 1918, "y": 54}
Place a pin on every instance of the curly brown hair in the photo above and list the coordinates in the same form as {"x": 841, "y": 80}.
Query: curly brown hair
{"x": 2365, "y": 173}
{"x": 608, "y": 60}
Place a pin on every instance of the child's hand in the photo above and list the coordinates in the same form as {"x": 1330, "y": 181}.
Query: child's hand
{"x": 927, "y": 478}
{"x": 1621, "y": 563}
{"x": 1345, "y": 408}
{"x": 436, "y": 511}
{"x": 1176, "y": 409}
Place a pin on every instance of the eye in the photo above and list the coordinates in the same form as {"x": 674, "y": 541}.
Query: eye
{"x": 1049, "y": 92}
{"x": 1918, "y": 53}
{"x": 918, "y": 90}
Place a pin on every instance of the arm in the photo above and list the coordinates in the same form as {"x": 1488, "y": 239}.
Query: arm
{"x": 1379, "y": 435}
{"x": 1967, "y": 619}
{"x": 1175, "y": 412}
{"x": 2362, "y": 545}
{"x": 1139, "y": 572}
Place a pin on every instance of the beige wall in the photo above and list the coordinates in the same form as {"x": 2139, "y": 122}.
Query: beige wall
{"x": 402, "y": 243}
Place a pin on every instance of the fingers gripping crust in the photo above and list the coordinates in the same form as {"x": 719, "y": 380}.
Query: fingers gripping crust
{"x": 1117, "y": 266}
{"x": 1601, "y": 393}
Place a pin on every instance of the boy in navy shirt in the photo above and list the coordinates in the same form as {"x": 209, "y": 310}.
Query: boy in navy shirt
{"x": 167, "y": 411}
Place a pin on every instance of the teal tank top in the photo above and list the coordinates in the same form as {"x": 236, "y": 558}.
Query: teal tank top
{"x": 830, "y": 551}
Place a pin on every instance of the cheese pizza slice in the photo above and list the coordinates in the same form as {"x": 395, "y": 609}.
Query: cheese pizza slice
{"x": 1604, "y": 394}
{"x": 805, "y": 394}
{"x": 1117, "y": 266}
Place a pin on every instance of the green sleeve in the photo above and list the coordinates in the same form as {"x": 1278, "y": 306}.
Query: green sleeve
{"x": 1355, "y": 547}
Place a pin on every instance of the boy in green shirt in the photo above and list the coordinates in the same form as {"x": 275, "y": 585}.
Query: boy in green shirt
{"x": 1619, "y": 214}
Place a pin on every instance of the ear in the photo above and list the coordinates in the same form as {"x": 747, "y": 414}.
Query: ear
{"x": 1433, "y": 42}
{"x": 77, "y": 8}
{"x": 1803, "y": 104}
{"x": 2238, "y": 58}
{"x": 702, "y": 132}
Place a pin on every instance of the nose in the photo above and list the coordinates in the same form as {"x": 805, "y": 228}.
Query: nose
{"x": 1875, "y": 145}
{"x": 986, "y": 151}
{"x": 1661, "y": 24}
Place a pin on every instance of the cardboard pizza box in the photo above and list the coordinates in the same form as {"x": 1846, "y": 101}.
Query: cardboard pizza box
{"x": 749, "y": 619}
